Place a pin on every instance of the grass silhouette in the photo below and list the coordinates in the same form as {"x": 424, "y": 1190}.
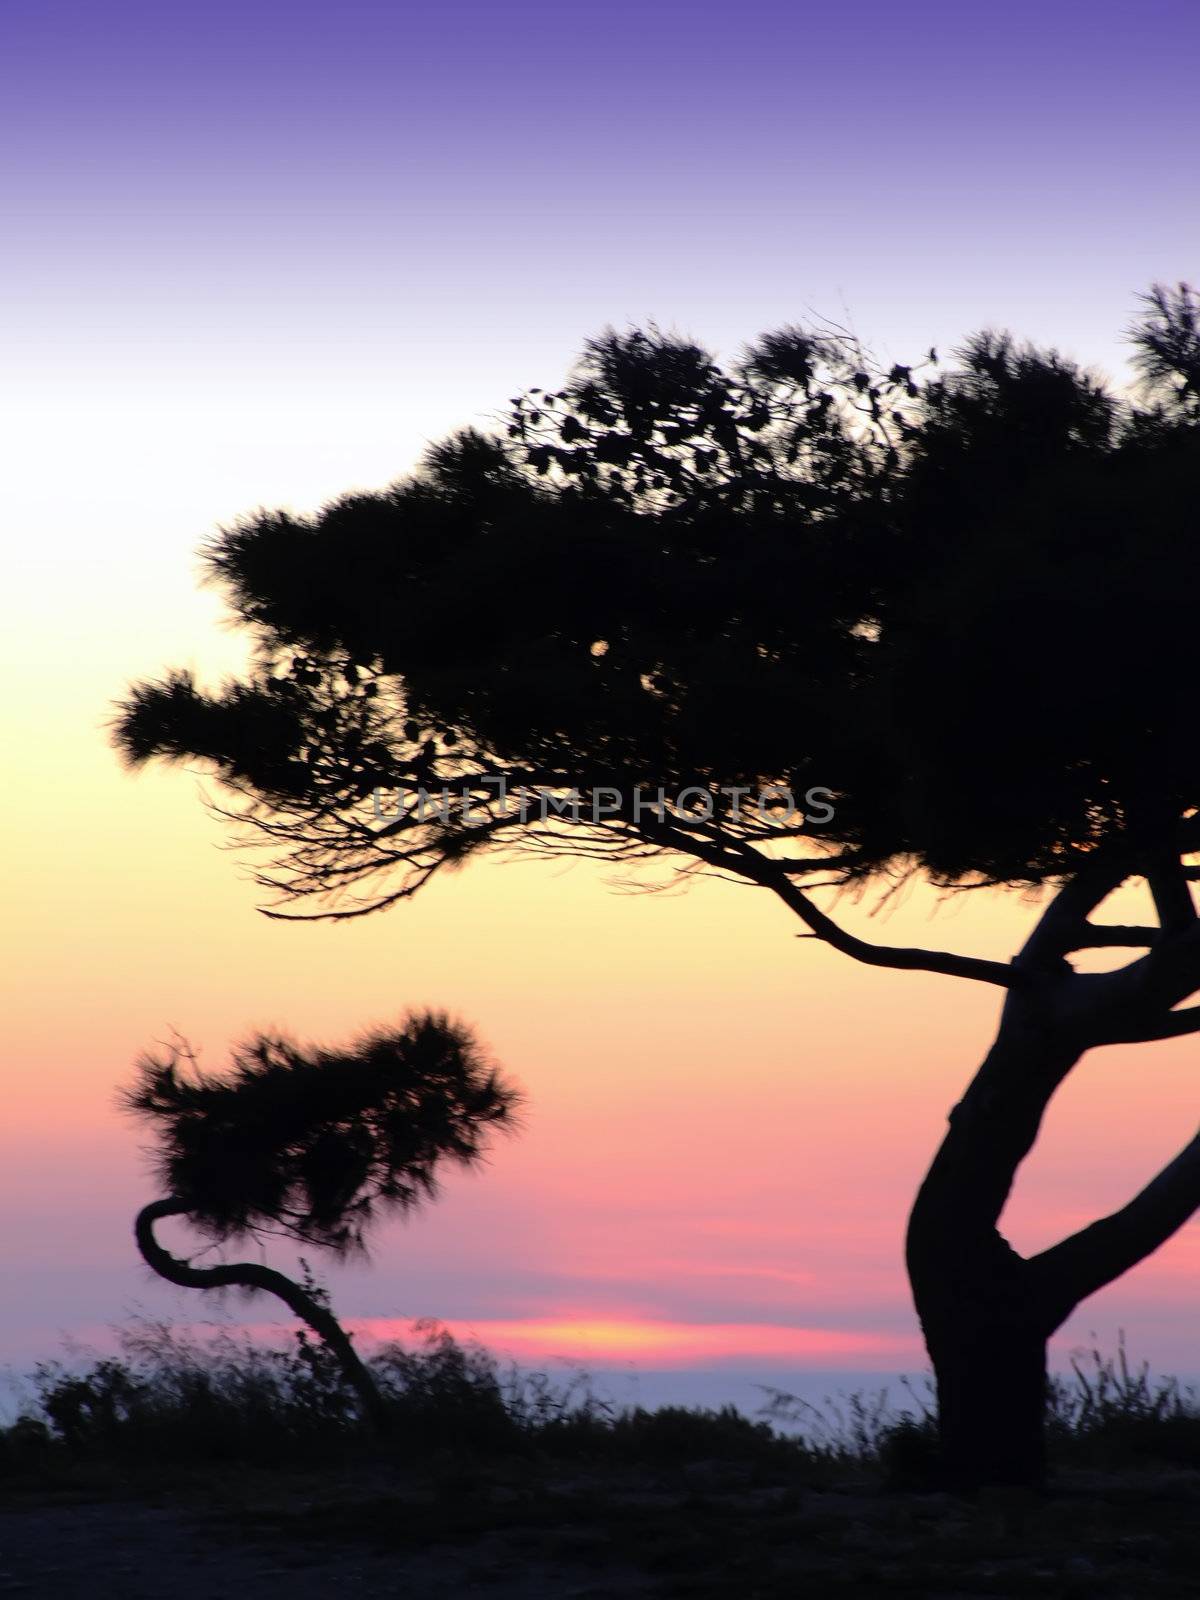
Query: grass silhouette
{"x": 537, "y": 1486}
{"x": 173, "y": 1396}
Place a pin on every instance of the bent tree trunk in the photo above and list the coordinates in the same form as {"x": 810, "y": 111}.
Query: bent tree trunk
{"x": 985, "y": 1325}
{"x": 986, "y": 1312}
{"x": 252, "y": 1275}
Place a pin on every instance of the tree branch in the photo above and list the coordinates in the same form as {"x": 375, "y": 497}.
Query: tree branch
{"x": 749, "y": 864}
{"x": 1145, "y": 991}
{"x": 905, "y": 958}
{"x": 1172, "y": 897}
{"x": 1171, "y": 1025}
{"x": 1097, "y": 935}
{"x": 1070, "y": 1271}
{"x": 1065, "y": 918}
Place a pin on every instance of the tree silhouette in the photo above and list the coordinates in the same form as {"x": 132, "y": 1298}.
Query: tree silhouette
{"x": 315, "y": 1145}
{"x": 804, "y": 623}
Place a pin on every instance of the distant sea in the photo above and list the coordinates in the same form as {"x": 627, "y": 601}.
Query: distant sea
{"x": 750, "y": 1391}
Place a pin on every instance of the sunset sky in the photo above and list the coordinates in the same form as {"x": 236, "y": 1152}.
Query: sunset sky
{"x": 260, "y": 254}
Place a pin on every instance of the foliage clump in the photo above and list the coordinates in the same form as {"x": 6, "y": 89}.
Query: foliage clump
{"x": 320, "y": 1143}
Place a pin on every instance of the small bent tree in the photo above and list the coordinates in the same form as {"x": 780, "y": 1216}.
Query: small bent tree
{"x": 805, "y": 624}
{"x": 313, "y": 1145}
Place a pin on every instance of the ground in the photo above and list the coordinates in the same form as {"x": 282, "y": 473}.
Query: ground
{"x": 529, "y": 1531}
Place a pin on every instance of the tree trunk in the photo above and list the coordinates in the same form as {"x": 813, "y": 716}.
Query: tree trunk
{"x": 252, "y": 1275}
{"x": 991, "y": 1391}
{"x": 985, "y": 1314}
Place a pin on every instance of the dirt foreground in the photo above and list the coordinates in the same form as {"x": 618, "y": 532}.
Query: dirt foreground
{"x": 527, "y": 1533}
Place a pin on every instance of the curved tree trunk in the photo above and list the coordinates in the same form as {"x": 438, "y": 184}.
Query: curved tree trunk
{"x": 985, "y": 1320}
{"x": 252, "y": 1275}
{"x": 987, "y": 1312}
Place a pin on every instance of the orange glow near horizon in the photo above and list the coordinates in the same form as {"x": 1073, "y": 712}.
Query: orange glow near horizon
{"x": 656, "y": 1344}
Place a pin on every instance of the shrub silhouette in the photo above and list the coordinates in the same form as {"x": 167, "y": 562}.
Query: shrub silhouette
{"x": 313, "y": 1144}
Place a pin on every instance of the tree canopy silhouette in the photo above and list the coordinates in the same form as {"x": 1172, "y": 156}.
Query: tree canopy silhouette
{"x": 803, "y": 622}
{"x": 313, "y": 1144}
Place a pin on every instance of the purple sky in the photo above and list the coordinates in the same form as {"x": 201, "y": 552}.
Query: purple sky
{"x": 417, "y": 183}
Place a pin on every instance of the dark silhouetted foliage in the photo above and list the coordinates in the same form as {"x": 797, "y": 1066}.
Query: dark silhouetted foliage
{"x": 798, "y": 571}
{"x": 320, "y": 1143}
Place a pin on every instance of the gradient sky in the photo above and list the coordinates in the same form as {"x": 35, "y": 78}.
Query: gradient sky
{"x": 260, "y": 254}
